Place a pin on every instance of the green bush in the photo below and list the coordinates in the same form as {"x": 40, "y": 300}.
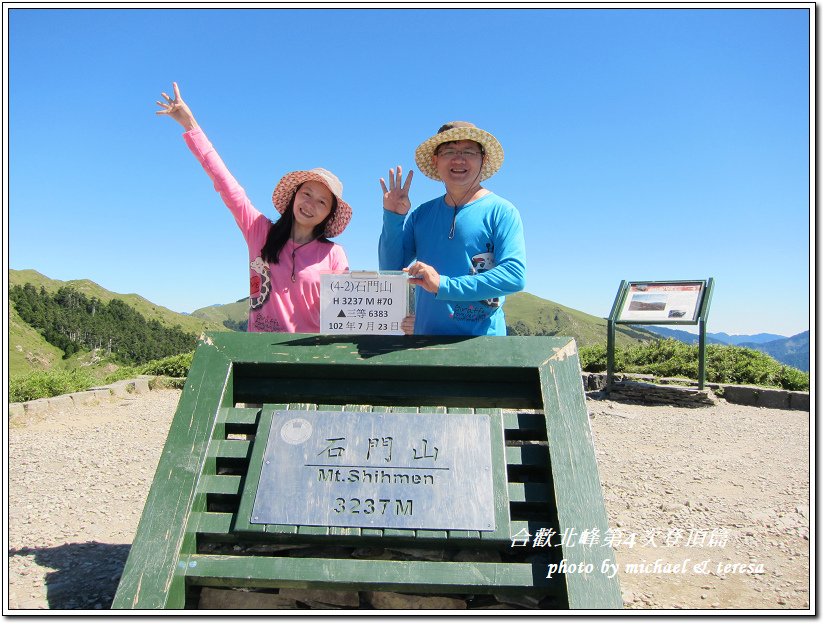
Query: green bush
{"x": 673, "y": 358}
{"x": 44, "y": 384}
{"x": 173, "y": 366}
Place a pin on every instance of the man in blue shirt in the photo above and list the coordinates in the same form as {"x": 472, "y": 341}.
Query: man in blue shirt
{"x": 466, "y": 248}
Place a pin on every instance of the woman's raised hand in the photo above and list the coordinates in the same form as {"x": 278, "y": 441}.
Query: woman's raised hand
{"x": 177, "y": 109}
{"x": 396, "y": 197}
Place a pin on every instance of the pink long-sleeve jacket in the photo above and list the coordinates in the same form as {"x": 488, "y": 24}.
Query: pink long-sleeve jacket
{"x": 276, "y": 303}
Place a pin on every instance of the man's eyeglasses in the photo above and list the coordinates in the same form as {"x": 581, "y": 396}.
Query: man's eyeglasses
{"x": 451, "y": 153}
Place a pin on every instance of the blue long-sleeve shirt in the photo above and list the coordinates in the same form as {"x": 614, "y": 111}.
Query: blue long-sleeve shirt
{"x": 483, "y": 262}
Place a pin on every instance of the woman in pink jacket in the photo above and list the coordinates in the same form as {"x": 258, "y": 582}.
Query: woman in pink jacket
{"x": 287, "y": 256}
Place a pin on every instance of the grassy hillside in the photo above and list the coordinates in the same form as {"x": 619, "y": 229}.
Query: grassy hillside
{"x": 148, "y": 309}
{"x": 526, "y": 313}
{"x": 236, "y": 313}
{"x": 29, "y": 351}
{"x": 534, "y": 316}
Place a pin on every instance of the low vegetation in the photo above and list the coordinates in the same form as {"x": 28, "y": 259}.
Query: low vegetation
{"x": 672, "y": 358}
{"x": 662, "y": 358}
{"x": 44, "y": 384}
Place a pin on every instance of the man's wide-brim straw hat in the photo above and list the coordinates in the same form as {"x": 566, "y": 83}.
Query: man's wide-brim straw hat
{"x": 460, "y": 131}
{"x": 291, "y": 181}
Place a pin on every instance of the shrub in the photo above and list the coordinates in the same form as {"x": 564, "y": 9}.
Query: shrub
{"x": 44, "y": 384}
{"x": 173, "y": 366}
{"x": 672, "y": 358}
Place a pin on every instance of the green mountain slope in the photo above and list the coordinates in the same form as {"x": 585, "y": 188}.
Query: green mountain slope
{"x": 529, "y": 315}
{"x": 526, "y": 315}
{"x": 29, "y": 351}
{"x": 233, "y": 315}
{"x": 144, "y": 306}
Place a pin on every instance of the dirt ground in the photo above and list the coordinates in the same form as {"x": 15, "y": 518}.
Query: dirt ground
{"x": 709, "y": 508}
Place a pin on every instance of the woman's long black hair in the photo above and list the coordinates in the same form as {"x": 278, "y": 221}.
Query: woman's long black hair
{"x": 281, "y": 230}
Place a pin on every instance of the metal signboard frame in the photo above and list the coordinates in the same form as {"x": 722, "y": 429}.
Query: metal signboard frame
{"x": 661, "y": 303}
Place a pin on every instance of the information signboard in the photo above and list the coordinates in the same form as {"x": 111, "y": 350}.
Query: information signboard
{"x": 376, "y": 470}
{"x": 682, "y": 302}
{"x": 651, "y": 302}
{"x": 364, "y": 302}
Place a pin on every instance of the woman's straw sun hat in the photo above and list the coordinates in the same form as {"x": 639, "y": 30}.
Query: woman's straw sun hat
{"x": 460, "y": 131}
{"x": 291, "y": 181}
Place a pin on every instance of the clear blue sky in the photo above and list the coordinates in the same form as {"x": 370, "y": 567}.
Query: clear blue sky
{"x": 641, "y": 144}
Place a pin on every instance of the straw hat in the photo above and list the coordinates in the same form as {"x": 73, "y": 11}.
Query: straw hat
{"x": 291, "y": 181}
{"x": 460, "y": 131}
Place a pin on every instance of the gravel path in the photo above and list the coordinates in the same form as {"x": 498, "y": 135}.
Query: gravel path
{"x": 727, "y": 484}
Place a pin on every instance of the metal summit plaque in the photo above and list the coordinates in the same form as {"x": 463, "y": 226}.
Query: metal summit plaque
{"x": 377, "y": 470}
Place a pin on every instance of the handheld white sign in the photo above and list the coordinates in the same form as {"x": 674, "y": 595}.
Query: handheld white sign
{"x": 364, "y": 302}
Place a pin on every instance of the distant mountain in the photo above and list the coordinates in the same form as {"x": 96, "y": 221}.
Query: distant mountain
{"x": 680, "y": 334}
{"x": 793, "y": 351}
{"x": 742, "y": 338}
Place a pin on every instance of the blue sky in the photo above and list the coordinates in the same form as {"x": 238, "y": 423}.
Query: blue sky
{"x": 641, "y": 143}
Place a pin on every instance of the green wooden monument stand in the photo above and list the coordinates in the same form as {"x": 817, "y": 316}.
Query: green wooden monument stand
{"x": 464, "y": 444}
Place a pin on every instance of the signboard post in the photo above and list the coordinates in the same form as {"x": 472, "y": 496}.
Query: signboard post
{"x": 661, "y": 303}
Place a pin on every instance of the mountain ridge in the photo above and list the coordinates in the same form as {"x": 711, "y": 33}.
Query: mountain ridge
{"x": 793, "y": 351}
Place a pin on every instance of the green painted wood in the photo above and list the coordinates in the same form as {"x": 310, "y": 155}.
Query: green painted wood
{"x": 578, "y": 496}
{"x": 212, "y": 522}
{"x": 386, "y": 352}
{"x": 151, "y": 578}
{"x": 500, "y": 376}
{"x": 219, "y": 484}
{"x": 529, "y": 492}
{"x": 233, "y": 449}
{"x": 372, "y": 575}
{"x": 238, "y": 415}
{"x": 527, "y": 455}
{"x": 515, "y": 420}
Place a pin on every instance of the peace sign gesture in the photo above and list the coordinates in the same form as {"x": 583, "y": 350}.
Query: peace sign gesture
{"x": 396, "y": 197}
{"x": 177, "y": 109}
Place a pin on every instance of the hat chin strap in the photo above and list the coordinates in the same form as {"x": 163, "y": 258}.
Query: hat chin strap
{"x": 475, "y": 186}
{"x": 456, "y": 205}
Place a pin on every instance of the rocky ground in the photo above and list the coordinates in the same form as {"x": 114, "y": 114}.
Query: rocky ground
{"x": 724, "y": 488}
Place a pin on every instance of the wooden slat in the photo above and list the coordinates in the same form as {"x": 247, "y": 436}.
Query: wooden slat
{"x": 213, "y": 522}
{"x": 372, "y": 575}
{"x": 238, "y": 415}
{"x": 527, "y": 455}
{"x": 150, "y": 577}
{"x": 519, "y": 420}
{"x": 229, "y": 449}
{"x": 529, "y": 493}
{"x": 578, "y": 498}
{"x": 219, "y": 484}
